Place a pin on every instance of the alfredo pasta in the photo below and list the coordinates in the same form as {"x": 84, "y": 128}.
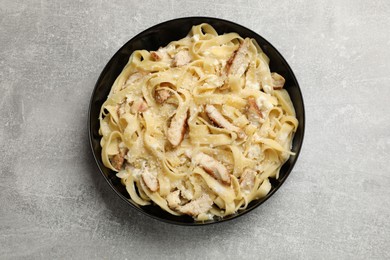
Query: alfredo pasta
{"x": 199, "y": 126}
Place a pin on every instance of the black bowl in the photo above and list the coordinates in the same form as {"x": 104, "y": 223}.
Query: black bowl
{"x": 160, "y": 35}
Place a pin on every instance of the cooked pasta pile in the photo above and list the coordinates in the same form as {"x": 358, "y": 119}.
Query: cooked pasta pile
{"x": 199, "y": 126}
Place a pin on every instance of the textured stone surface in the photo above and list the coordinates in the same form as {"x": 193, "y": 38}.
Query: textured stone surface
{"x": 55, "y": 204}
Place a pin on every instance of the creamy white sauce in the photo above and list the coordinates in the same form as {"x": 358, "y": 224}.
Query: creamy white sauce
{"x": 252, "y": 85}
{"x": 264, "y": 103}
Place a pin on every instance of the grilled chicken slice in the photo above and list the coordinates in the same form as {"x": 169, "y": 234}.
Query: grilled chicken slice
{"x": 161, "y": 54}
{"x": 173, "y": 199}
{"x": 221, "y": 121}
{"x": 247, "y": 180}
{"x": 118, "y": 159}
{"x": 162, "y": 95}
{"x": 139, "y": 106}
{"x": 181, "y": 58}
{"x": 177, "y": 128}
{"x": 278, "y": 80}
{"x": 150, "y": 179}
{"x": 155, "y": 56}
{"x": 197, "y": 206}
{"x": 239, "y": 61}
{"x": 213, "y": 167}
{"x": 254, "y": 112}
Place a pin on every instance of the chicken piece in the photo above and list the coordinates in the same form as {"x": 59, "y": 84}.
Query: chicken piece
{"x": 247, "y": 180}
{"x": 213, "y": 167}
{"x": 185, "y": 193}
{"x": 278, "y": 80}
{"x": 254, "y": 112}
{"x": 239, "y": 61}
{"x": 173, "y": 199}
{"x": 162, "y": 95}
{"x": 118, "y": 159}
{"x": 155, "y": 56}
{"x": 162, "y": 54}
{"x": 181, "y": 58}
{"x": 197, "y": 206}
{"x": 139, "y": 106}
{"x": 150, "y": 179}
{"x": 177, "y": 128}
{"x": 253, "y": 107}
{"x": 221, "y": 121}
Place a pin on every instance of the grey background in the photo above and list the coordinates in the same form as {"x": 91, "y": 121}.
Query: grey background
{"x": 55, "y": 203}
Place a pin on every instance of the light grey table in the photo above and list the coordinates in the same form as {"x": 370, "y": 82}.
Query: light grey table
{"x": 55, "y": 204}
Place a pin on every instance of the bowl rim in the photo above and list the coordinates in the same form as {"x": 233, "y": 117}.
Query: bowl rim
{"x": 219, "y": 220}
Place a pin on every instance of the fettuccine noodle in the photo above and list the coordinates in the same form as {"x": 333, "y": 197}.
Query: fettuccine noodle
{"x": 199, "y": 126}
